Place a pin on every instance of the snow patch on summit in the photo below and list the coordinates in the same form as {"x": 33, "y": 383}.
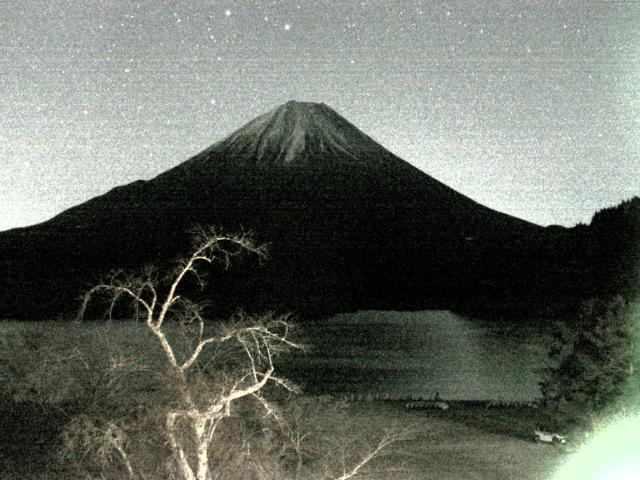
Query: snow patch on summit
{"x": 295, "y": 132}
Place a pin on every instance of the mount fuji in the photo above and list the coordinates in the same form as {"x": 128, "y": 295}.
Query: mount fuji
{"x": 349, "y": 226}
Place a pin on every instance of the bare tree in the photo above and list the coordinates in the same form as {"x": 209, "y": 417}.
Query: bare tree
{"x": 193, "y": 414}
{"x": 326, "y": 441}
{"x": 260, "y": 339}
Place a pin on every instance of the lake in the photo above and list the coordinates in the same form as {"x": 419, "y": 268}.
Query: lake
{"x": 419, "y": 354}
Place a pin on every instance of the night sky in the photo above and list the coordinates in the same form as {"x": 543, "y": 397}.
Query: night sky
{"x": 531, "y": 108}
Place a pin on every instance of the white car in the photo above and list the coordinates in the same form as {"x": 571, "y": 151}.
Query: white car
{"x": 548, "y": 437}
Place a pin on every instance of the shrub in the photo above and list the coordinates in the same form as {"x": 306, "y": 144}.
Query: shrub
{"x": 592, "y": 364}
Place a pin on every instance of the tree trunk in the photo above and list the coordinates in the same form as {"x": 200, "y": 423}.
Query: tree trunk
{"x": 178, "y": 453}
{"x": 202, "y": 449}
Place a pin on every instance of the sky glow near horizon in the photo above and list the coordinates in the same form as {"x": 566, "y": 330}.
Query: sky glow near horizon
{"x": 531, "y": 108}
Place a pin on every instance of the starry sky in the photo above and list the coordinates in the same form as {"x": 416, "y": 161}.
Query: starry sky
{"x": 529, "y": 107}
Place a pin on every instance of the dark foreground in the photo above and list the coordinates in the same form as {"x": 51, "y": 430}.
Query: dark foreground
{"x": 467, "y": 441}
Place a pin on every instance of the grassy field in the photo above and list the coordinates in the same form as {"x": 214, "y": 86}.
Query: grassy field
{"x": 464, "y": 442}
{"x": 467, "y": 441}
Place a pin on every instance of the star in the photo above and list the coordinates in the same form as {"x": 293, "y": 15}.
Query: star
{"x": 227, "y": 13}
{"x": 287, "y": 26}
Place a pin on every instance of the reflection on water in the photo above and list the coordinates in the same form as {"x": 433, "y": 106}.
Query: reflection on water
{"x": 419, "y": 354}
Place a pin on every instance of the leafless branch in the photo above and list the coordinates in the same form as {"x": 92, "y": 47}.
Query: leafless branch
{"x": 384, "y": 443}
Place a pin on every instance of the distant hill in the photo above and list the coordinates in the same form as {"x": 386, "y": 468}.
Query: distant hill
{"x": 612, "y": 251}
{"x": 350, "y": 226}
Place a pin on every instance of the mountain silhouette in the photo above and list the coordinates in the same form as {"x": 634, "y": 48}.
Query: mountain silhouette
{"x": 349, "y": 226}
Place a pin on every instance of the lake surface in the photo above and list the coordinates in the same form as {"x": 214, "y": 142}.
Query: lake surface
{"x": 419, "y": 354}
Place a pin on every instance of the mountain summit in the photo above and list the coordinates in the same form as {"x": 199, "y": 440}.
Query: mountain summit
{"x": 295, "y": 134}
